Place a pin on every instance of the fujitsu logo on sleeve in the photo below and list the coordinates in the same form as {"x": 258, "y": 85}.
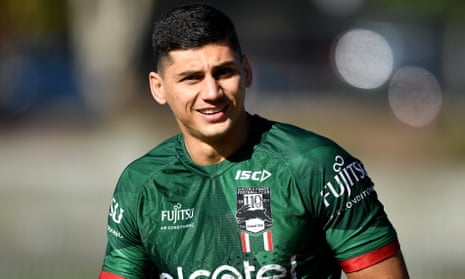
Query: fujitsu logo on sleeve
{"x": 116, "y": 212}
{"x": 345, "y": 178}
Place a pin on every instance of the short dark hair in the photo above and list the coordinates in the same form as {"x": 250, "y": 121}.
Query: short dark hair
{"x": 192, "y": 26}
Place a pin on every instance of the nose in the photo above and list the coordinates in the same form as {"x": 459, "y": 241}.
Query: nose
{"x": 211, "y": 88}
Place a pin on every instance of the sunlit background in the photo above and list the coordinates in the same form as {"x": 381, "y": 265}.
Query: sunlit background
{"x": 383, "y": 78}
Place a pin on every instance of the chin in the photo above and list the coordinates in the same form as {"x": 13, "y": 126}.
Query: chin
{"x": 217, "y": 133}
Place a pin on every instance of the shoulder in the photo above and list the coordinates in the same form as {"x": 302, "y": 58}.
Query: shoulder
{"x": 312, "y": 159}
{"x": 139, "y": 171}
{"x": 292, "y": 142}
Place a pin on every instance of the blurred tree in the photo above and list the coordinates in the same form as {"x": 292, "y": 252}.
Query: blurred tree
{"x": 34, "y": 59}
{"x": 106, "y": 38}
{"x": 32, "y": 18}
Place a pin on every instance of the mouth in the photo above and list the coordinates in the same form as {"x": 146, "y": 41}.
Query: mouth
{"x": 212, "y": 111}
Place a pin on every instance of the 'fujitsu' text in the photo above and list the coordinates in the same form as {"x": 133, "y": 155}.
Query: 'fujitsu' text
{"x": 345, "y": 178}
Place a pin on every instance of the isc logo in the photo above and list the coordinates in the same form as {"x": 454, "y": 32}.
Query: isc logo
{"x": 260, "y": 175}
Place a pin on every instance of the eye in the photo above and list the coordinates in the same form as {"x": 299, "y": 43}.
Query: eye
{"x": 191, "y": 78}
{"x": 225, "y": 72}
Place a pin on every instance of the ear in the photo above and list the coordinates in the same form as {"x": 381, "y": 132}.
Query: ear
{"x": 248, "y": 74}
{"x": 156, "y": 87}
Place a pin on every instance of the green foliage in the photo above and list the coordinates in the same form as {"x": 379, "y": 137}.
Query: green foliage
{"x": 32, "y": 17}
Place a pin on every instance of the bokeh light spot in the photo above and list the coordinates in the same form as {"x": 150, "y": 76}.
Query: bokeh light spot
{"x": 415, "y": 96}
{"x": 363, "y": 58}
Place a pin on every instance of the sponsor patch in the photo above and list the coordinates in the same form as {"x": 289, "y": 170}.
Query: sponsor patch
{"x": 253, "y": 216}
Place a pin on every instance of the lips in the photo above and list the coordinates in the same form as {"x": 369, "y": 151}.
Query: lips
{"x": 211, "y": 111}
{"x": 214, "y": 114}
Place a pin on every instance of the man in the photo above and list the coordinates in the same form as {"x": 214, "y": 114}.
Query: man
{"x": 235, "y": 195}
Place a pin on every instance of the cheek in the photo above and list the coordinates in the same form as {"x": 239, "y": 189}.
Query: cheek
{"x": 174, "y": 96}
{"x": 177, "y": 106}
{"x": 180, "y": 105}
{"x": 240, "y": 93}
{"x": 235, "y": 89}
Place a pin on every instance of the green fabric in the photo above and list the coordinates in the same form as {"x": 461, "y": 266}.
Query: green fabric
{"x": 314, "y": 200}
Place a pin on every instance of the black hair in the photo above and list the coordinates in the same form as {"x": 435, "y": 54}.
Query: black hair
{"x": 192, "y": 26}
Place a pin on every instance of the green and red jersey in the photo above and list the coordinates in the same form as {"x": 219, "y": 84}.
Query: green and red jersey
{"x": 288, "y": 204}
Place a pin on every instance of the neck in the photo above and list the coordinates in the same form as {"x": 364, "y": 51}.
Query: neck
{"x": 209, "y": 152}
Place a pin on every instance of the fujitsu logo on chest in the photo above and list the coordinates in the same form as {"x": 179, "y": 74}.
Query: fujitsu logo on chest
{"x": 177, "y": 214}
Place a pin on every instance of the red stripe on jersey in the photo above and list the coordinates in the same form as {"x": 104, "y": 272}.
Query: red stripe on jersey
{"x": 107, "y": 275}
{"x": 268, "y": 241}
{"x": 245, "y": 242}
{"x": 370, "y": 258}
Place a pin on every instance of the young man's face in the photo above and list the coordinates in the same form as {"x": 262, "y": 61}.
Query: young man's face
{"x": 205, "y": 89}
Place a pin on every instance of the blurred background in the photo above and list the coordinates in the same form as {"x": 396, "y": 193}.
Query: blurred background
{"x": 385, "y": 79}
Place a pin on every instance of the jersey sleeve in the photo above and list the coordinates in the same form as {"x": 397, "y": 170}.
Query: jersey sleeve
{"x": 125, "y": 256}
{"x": 355, "y": 224}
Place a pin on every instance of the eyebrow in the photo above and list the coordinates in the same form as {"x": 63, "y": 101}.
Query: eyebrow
{"x": 226, "y": 64}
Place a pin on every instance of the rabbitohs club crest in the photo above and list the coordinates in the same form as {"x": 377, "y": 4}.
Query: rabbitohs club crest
{"x": 253, "y": 215}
